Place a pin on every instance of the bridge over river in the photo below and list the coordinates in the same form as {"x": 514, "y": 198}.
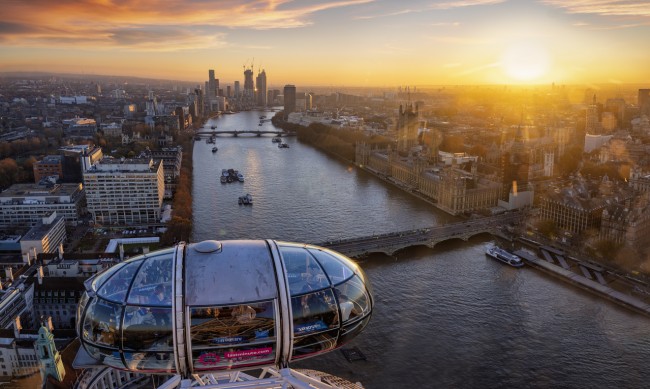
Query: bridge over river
{"x": 390, "y": 243}
{"x": 277, "y": 132}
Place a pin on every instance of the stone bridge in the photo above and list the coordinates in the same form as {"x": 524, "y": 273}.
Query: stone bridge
{"x": 390, "y": 243}
{"x": 243, "y": 132}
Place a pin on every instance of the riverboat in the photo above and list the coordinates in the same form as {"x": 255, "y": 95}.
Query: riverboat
{"x": 240, "y": 177}
{"x": 247, "y": 199}
{"x": 215, "y": 149}
{"x": 283, "y": 146}
{"x": 502, "y": 255}
{"x": 223, "y": 179}
{"x": 276, "y": 139}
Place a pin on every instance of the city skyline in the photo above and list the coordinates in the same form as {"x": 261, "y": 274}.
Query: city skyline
{"x": 347, "y": 42}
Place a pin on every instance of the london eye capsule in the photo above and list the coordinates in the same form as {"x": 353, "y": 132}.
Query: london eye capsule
{"x": 222, "y": 305}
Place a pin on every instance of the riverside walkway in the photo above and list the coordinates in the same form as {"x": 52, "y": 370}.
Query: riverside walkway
{"x": 395, "y": 241}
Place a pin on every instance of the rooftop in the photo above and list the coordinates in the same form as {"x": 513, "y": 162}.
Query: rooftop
{"x": 39, "y": 231}
{"x": 35, "y": 190}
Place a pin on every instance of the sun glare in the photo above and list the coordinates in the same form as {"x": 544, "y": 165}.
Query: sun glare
{"x": 525, "y": 62}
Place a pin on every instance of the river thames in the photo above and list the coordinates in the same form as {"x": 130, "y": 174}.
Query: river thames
{"x": 444, "y": 317}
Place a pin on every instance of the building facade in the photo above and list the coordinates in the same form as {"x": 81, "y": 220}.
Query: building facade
{"x": 46, "y": 237}
{"x": 289, "y": 100}
{"x": 407, "y": 128}
{"x": 453, "y": 189}
{"x": 126, "y": 191}
{"x": 171, "y": 158}
{"x": 24, "y": 205}
{"x": 260, "y": 88}
{"x": 51, "y": 165}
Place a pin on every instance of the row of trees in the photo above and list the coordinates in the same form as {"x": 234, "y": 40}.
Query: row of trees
{"x": 180, "y": 227}
{"x": 12, "y": 172}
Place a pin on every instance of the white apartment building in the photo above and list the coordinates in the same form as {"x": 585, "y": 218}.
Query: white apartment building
{"x": 44, "y": 237}
{"x": 126, "y": 191}
{"x": 26, "y": 204}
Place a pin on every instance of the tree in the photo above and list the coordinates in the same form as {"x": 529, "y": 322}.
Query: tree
{"x": 547, "y": 228}
{"x": 8, "y": 172}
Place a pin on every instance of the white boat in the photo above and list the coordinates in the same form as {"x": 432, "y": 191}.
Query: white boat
{"x": 277, "y": 139}
{"x": 283, "y": 146}
{"x": 240, "y": 177}
{"x": 502, "y": 255}
{"x": 249, "y": 198}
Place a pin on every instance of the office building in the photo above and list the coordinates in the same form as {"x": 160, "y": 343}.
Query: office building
{"x": 289, "y": 100}
{"x": 249, "y": 87}
{"x": 212, "y": 85}
{"x": 644, "y": 102}
{"x": 24, "y": 205}
{"x": 49, "y": 166}
{"x": 45, "y": 237}
{"x": 237, "y": 90}
{"x": 127, "y": 191}
{"x": 260, "y": 88}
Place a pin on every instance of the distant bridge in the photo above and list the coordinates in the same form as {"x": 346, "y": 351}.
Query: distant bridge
{"x": 390, "y": 243}
{"x": 243, "y": 132}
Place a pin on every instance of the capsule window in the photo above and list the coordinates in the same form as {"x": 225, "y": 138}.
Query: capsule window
{"x": 336, "y": 270}
{"x": 303, "y": 271}
{"x": 152, "y": 285}
{"x": 147, "y": 329}
{"x": 154, "y": 362}
{"x": 100, "y": 325}
{"x": 353, "y": 299}
{"x": 228, "y": 336}
{"x": 314, "y": 312}
{"x": 116, "y": 287}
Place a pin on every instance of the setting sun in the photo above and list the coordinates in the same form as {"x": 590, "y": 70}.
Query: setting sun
{"x": 525, "y": 62}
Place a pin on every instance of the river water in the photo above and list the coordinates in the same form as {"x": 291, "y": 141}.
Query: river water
{"x": 444, "y": 317}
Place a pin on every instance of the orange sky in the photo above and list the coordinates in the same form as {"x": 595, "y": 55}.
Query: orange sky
{"x": 347, "y": 42}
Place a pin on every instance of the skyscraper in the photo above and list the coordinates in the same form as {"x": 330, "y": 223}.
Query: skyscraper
{"x": 249, "y": 87}
{"x": 592, "y": 125}
{"x": 289, "y": 100}
{"x": 644, "y": 101}
{"x": 212, "y": 86}
{"x": 260, "y": 86}
{"x": 237, "y": 91}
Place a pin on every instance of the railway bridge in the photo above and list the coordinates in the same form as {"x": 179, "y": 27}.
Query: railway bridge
{"x": 390, "y": 243}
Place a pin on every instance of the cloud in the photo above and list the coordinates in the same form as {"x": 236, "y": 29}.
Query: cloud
{"x": 396, "y": 13}
{"x": 152, "y": 24}
{"x": 445, "y": 24}
{"x": 604, "y": 7}
{"x": 435, "y": 6}
{"x": 464, "y": 3}
{"x": 460, "y": 40}
{"x": 478, "y": 68}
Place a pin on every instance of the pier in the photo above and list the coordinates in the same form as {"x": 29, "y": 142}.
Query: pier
{"x": 587, "y": 276}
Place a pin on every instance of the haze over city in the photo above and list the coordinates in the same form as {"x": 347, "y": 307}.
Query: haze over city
{"x": 348, "y": 42}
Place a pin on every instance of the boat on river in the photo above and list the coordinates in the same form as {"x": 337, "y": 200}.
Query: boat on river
{"x": 215, "y": 149}
{"x": 276, "y": 139}
{"x": 247, "y": 199}
{"x": 504, "y": 256}
{"x": 283, "y": 146}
